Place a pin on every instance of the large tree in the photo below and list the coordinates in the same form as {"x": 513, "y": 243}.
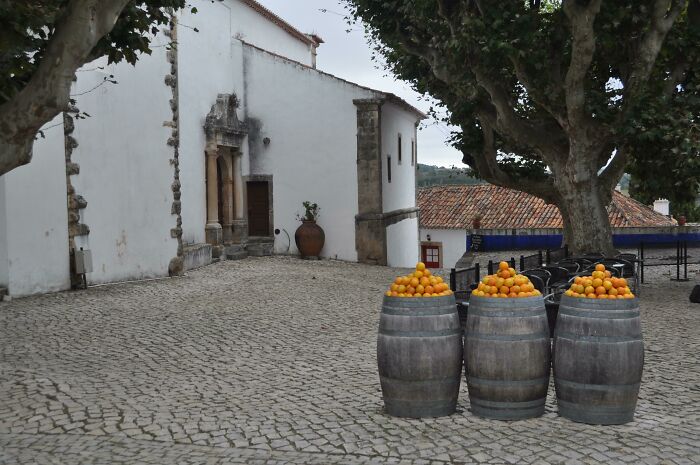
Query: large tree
{"x": 553, "y": 98}
{"x": 44, "y": 42}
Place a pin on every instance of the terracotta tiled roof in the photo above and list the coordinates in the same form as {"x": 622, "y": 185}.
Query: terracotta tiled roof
{"x": 455, "y": 206}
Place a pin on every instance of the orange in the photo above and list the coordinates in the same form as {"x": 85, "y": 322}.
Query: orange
{"x": 401, "y": 295}
{"x": 492, "y": 281}
{"x": 424, "y": 281}
{"x": 623, "y": 282}
{"x": 420, "y": 266}
{"x": 394, "y": 294}
{"x": 432, "y": 281}
{"x": 427, "y": 295}
{"x": 398, "y": 280}
{"x": 499, "y": 282}
{"x": 600, "y": 290}
{"x": 410, "y": 290}
{"x": 418, "y": 274}
{"x": 591, "y": 295}
{"x": 578, "y": 280}
{"x": 429, "y": 289}
{"x": 597, "y": 282}
{"x": 600, "y": 267}
{"x": 603, "y": 296}
{"x": 509, "y": 282}
{"x": 620, "y": 290}
{"x": 503, "y": 266}
{"x": 607, "y": 284}
{"x": 614, "y": 291}
{"x": 414, "y": 282}
{"x": 587, "y": 282}
{"x": 401, "y": 289}
{"x": 512, "y": 294}
{"x": 387, "y": 293}
{"x": 419, "y": 289}
{"x": 418, "y": 294}
{"x": 512, "y": 272}
{"x": 439, "y": 279}
{"x": 504, "y": 289}
{"x": 522, "y": 294}
{"x": 515, "y": 289}
{"x": 427, "y": 273}
{"x": 394, "y": 287}
{"x": 570, "y": 293}
{"x": 608, "y": 274}
{"x": 589, "y": 289}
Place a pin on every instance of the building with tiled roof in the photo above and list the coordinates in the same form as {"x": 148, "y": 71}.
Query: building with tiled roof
{"x": 511, "y": 219}
{"x": 455, "y": 206}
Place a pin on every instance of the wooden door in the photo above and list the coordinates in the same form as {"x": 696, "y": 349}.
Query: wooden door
{"x": 258, "y": 209}
{"x": 430, "y": 255}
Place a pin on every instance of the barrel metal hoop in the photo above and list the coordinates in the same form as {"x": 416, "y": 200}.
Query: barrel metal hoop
{"x": 500, "y": 382}
{"x": 599, "y": 314}
{"x": 427, "y": 382}
{"x": 634, "y": 387}
{"x": 492, "y": 404}
{"x": 439, "y": 333}
{"x": 533, "y": 312}
{"x": 591, "y": 409}
{"x": 507, "y": 337}
{"x": 602, "y": 339}
{"x": 428, "y": 311}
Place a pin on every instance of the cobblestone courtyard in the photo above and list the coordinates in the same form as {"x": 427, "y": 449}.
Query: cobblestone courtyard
{"x": 268, "y": 361}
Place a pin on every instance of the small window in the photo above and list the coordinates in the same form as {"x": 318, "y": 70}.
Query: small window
{"x": 413, "y": 152}
{"x": 388, "y": 167}
{"x": 399, "y": 151}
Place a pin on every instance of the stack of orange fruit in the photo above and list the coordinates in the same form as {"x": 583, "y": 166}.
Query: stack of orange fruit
{"x": 506, "y": 283}
{"x": 420, "y": 283}
{"x": 600, "y": 285}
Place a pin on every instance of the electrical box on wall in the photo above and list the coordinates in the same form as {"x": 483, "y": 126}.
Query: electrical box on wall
{"x": 83, "y": 261}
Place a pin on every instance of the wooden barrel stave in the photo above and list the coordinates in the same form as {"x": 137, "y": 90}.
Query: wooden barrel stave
{"x": 507, "y": 357}
{"x": 419, "y": 355}
{"x": 598, "y": 360}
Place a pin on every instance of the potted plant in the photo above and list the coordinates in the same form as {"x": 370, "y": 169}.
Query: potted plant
{"x": 309, "y": 236}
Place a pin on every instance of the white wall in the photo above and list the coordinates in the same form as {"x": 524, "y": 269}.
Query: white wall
{"x": 35, "y": 219}
{"x": 125, "y": 170}
{"x": 311, "y": 122}
{"x": 208, "y": 65}
{"x": 251, "y": 27}
{"x": 454, "y": 243}
{"x": 401, "y": 191}
{"x": 402, "y": 243}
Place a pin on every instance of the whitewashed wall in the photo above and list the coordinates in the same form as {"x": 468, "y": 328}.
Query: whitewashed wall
{"x": 401, "y": 191}
{"x": 208, "y": 65}
{"x": 402, "y": 243}
{"x": 251, "y": 27}
{"x": 311, "y": 122}
{"x": 454, "y": 243}
{"x": 34, "y": 223}
{"x": 125, "y": 170}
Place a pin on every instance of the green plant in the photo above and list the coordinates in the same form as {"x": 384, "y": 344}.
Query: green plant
{"x": 311, "y": 213}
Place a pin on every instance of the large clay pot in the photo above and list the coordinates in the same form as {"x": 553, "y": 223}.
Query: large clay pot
{"x": 309, "y": 238}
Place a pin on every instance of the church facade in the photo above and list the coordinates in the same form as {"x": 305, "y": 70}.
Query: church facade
{"x": 206, "y": 150}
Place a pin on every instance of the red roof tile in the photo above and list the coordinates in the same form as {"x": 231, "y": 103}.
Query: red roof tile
{"x": 455, "y": 206}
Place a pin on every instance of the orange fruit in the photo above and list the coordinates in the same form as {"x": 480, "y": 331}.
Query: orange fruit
{"x": 427, "y": 273}
{"x": 420, "y": 289}
{"x": 504, "y": 289}
{"x": 418, "y": 274}
{"x": 503, "y": 266}
{"x": 589, "y": 289}
{"x": 492, "y": 281}
{"x": 398, "y": 280}
{"x": 424, "y": 281}
{"x": 410, "y": 290}
{"x": 607, "y": 274}
{"x": 387, "y": 293}
{"x": 603, "y": 296}
{"x": 512, "y": 272}
{"x": 420, "y": 266}
{"x": 394, "y": 293}
{"x": 420, "y": 294}
{"x": 600, "y": 290}
{"x": 591, "y": 295}
{"x": 401, "y": 294}
{"x": 439, "y": 279}
{"x": 607, "y": 284}
{"x": 570, "y": 293}
{"x": 597, "y": 282}
{"x": 429, "y": 289}
{"x": 414, "y": 282}
{"x": 600, "y": 267}
{"x": 512, "y": 294}
{"x": 614, "y": 291}
{"x": 515, "y": 289}
{"x": 401, "y": 289}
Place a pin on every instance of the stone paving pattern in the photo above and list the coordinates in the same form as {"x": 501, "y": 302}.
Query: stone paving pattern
{"x": 272, "y": 360}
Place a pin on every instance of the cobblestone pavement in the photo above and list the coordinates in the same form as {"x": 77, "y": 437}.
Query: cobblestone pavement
{"x": 272, "y": 360}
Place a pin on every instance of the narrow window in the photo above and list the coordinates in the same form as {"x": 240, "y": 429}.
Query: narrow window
{"x": 399, "y": 149}
{"x": 413, "y": 152}
{"x": 388, "y": 167}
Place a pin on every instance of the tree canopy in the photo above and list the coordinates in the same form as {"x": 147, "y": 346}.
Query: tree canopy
{"x": 554, "y": 98}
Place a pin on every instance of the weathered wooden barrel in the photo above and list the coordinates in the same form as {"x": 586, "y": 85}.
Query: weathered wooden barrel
{"x": 419, "y": 353}
{"x": 598, "y": 359}
{"x": 507, "y": 357}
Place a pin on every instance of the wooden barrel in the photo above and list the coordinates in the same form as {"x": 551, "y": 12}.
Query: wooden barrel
{"x": 419, "y": 353}
{"x": 598, "y": 359}
{"x": 507, "y": 357}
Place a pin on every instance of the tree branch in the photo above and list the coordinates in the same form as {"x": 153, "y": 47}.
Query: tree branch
{"x": 581, "y": 19}
{"x": 487, "y": 165}
{"x": 614, "y": 171}
{"x": 77, "y": 31}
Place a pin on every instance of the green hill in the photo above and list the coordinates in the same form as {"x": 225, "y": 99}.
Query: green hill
{"x": 429, "y": 175}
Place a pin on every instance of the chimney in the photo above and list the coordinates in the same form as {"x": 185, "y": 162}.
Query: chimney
{"x": 662, "y": 206}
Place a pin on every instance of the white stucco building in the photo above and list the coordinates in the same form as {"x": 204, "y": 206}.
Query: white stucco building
{"x": 208, "y": 149}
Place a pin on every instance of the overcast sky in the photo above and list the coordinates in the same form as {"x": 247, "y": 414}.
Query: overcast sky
{"x": 347, "y": 55}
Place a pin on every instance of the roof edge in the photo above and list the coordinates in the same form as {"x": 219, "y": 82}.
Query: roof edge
{"x": 309, "y": 39}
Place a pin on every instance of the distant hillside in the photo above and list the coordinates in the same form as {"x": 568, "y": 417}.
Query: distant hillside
{"x": 429, "y": 175}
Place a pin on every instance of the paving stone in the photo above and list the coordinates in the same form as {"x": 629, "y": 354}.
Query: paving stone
{"x": 233, "y": 364}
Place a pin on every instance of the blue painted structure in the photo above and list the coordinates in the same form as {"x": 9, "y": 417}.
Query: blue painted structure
{"x": 552, "y": 241}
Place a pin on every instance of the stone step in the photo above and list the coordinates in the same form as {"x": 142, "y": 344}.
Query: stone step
{"x": 260, "y": 249}
{"x": 235, "y": 252}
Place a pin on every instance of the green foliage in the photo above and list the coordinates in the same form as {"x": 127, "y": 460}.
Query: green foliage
{"x": 658, "y": 128}
{"x": 26, "y": 27}
{"x": 428, "y": 175}
{"x": 311, "y": 211}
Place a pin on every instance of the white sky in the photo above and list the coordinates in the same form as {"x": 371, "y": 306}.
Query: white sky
{"x": 347, "y": 55}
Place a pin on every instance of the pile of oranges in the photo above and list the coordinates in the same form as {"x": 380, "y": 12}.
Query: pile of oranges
{"x": 600, "y": 285}
{"x": 420, "y": 283}
{"x": 506, "y": 283}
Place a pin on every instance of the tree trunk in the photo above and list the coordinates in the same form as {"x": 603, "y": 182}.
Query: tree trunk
{"x": 586, "y": 222}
